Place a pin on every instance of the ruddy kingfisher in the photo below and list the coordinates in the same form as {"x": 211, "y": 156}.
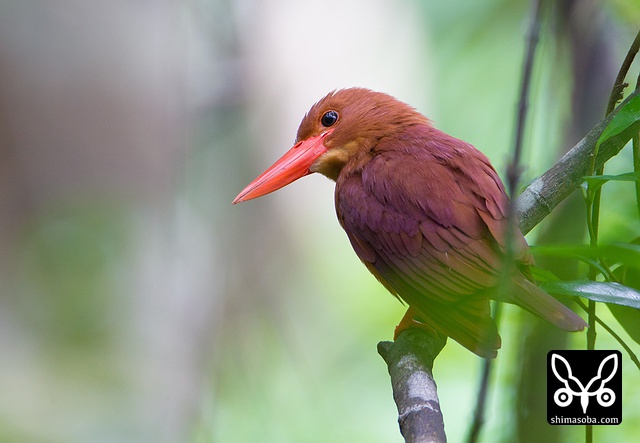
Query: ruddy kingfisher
{"x": 424, "y": 211}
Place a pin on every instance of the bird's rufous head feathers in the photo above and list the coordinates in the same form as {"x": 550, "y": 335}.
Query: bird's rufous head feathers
{"x": 354, "y": 121}
{"x": 345, "y": 124}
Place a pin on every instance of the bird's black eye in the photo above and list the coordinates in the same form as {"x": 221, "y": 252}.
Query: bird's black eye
{"x": 329, "y": 118}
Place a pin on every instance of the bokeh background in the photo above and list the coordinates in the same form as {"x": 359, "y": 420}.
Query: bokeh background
{"x": 138, "y": 305}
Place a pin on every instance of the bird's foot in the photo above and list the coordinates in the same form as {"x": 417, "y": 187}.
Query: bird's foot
{"x": 411, "y": 320}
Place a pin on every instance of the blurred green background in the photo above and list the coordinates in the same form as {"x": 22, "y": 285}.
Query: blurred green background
{"x": 138, "y": 305}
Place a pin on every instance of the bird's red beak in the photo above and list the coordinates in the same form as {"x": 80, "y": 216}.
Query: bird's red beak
{"x": 291, "y": 166}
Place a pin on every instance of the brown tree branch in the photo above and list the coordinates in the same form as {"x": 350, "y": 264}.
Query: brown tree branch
{"x": 410, "y": 361}
{"x": 546, "y": 192}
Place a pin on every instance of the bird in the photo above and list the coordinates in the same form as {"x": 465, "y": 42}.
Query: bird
{"x": 424, "y": 211}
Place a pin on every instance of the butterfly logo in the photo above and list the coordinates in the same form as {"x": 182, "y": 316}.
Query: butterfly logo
{"x": 574, "y": 387}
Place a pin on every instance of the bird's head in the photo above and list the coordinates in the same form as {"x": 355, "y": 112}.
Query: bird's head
{"x": 343, "y": 125}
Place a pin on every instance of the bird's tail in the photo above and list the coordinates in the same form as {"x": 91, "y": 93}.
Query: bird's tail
{"x": 530, "y": 297}
{"x": 468, "y": 323}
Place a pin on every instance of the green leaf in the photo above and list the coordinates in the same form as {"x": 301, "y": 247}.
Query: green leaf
{"x": 614, "y": 293}
{"x": 627, "y": 177}
{"x": 622, "y": 127}
{"x": 627, "y": 253}
{"x": 541, "y": 274}
{"x": 629, "y": 319}
{"x": 626, "y": 117}
{"x": 596, "y": 181}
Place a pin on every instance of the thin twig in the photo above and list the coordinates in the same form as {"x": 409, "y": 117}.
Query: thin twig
{"x": 636, "y": 167}
{"x": 619, "y": 84}
{"x": 513, "y": 172}
{"x": 485, "y": 376}
{"x": 513, "y": 178}
{"x": 636, "y": 155}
